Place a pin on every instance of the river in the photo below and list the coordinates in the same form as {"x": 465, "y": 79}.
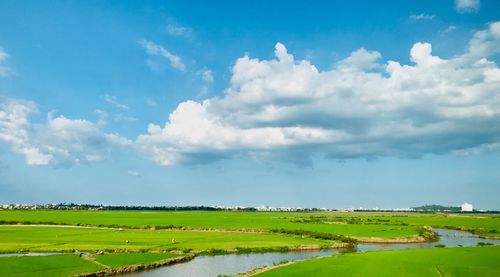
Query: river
{"x": 232, "y": 264}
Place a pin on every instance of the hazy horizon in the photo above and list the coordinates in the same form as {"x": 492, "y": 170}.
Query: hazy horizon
{"x": 310, "y": 104}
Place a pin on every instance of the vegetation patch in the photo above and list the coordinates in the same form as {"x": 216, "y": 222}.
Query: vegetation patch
{"x": 460, "y": 261}
{"x": 54, "y": 265}
{"x": 43, "y": 239}
{"x": 119, "y": 260}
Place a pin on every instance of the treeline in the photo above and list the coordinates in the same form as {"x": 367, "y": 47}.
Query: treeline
{"x": 438, "y": 208}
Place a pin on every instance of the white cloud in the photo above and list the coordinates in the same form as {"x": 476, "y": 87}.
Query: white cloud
{"x": 4, "y": 70}
{"x": 360, "y": 59}
{"x": 207, "y": 75}
{"x": 122, "y": 117}
{"x": 179, "y": 31}
{"x": 288, "y": 109}
{"x": 485, "y": 42}
{"x": 467, "y": 5}
{"x": 422, "y": 16}
{"x": 3, "y": 55}
{"x": 158, "y": 50}
{"x": 111, "y": 99}
{"x": 101, "y": 117}
{"x": 58, "y": 141}
{"x": 450, "y": 29}
{"x": 133, "y": 173}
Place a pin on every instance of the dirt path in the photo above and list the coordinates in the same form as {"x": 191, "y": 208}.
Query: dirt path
{"x": 91, "y": 259}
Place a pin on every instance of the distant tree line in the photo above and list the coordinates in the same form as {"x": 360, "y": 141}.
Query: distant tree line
{"x": 438, "y": 208}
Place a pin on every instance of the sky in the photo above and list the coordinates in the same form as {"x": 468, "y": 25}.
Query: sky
{"x": 337, "y": 104}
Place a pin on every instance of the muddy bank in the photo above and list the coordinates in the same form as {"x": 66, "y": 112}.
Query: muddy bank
{"x": 138, "y": 267}
{"x": 259, "y": 270}
{"x": 416, "y": 239}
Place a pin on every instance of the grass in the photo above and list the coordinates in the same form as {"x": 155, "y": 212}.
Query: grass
{"x": 138, "y": 236}
{"x": 56, "y": 265}
{"x": 469, "y": 261}
{"x": 383, "y": 225}
{"x": 119, "y": 260}
{"x": 40, "y": 239}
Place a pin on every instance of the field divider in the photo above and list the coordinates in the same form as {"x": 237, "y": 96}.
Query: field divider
{"x": 91, "y": 259}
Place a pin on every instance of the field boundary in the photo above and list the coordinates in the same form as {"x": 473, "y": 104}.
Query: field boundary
{"x": 137, "y": 267}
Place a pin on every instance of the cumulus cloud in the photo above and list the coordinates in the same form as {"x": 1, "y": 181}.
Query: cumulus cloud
{"x": 58, "y": 141}
{"x": 362, "y": 108}
{"x": 158, "y": 50}
{"x": 485, "y": 42}
{"x": 360, "y": 59}
{"x": 467, "y": 5}
{"x": 4, "y": 70}
{"x": 422, "y": 16}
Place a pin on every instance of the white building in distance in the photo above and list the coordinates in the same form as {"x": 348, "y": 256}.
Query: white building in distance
{"x": 466, "y": 207}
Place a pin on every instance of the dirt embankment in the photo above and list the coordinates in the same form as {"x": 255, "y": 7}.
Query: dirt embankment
{"x": 138, "y": 267}
{"x": 259, "y": 270}
{"x": 415, "y": 239}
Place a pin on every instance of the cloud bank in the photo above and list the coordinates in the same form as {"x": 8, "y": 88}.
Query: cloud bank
{"x": 288, "y": 109}
{"x": 59, "y": 141}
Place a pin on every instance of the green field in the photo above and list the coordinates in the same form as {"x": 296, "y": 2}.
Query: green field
{"x": 119, "y": 260}
{"x": 383, "y": 225}
{"x": 139, "y": 237}
{"x": 56, "y": 265}
{"x": 470, "y": 261}
{"x": 40, "y": 239}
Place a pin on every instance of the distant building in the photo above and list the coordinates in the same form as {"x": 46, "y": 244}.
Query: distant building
{"x": 466, "y": 207}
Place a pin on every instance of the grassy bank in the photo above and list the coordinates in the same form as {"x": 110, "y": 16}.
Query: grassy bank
{"x": 470, "y": 261}
{"x": 124, "y": 259}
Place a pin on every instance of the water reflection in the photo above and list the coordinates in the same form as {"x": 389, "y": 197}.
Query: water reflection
{"x": 229, "y": 264}
{"x": 448, "y": 238}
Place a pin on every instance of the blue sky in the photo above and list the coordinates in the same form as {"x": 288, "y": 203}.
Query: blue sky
{"x": 304, "y": 103}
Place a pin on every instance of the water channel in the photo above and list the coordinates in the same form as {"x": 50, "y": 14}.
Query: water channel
{"x": 232, "y": 264}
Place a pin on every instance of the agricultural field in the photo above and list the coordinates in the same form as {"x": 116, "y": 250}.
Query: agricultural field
{"x": 43, "y": 239}
{"x": 125, "y": 238}
{"x": 124, "y": 259}
{"x": 383, "y": 225}
{"x": 71, "y": 264}
{"x": 467, "y": 261}
{"x": 55, "y": 265}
